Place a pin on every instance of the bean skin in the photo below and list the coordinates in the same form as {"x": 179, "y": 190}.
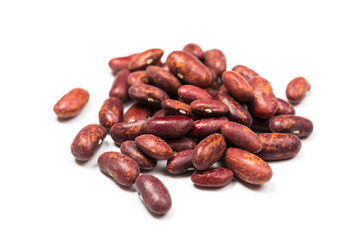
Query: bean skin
{"x": 216, "y": 60}
{"x": 137, "y": 111}
{"x": 163, "y": 79}
{"x": 71, "y": 103}
{"x": 278, "y": 146}
{"x": 144, "y": 59}
{"x": 204, "y": 127}
{"x": 260, "y": 125}
{"x": 284, "y": 108}
{"x": 154, "y": 146}
{"x": 159, "y": 113}
{"x": 244, "y": 71}
{"x": 120, "y": 63}
{"x": 111, "y": 112}
{"x": 215, "y": 177}
{"x": 237, "y": 86}
{"x": 210, "y": 108}
{"x": 153, "y": 194}
{"x": 190, "y": 93}
{"x": 241, "y": 136}
{"x": 247, "y": 166}
{"x": 120, "y": 86}
{"x": 130, "y": 149}
{"x": 181, "y": 162}
{"x": 123, "y": 131}
{"x": 148, "y": 95}
{"x": 299, "y": 126}
{"x": 88, "y": 141}
{"x": 181, "y": 144}
{"x": 138, "y": 77}
{"x": 208, "y": 151}
{"x": 195, "y": 50}
{"x": 122, "y": 168}
{"x": 296, "y": 90}
{"x": 174, "y": 107}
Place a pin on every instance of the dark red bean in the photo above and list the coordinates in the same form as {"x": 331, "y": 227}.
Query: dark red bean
{"x": 123, "y": 131}
{"x": 163, "y": 79}
{"x": 284, "y": 108}
{"x": 195, "y": 50}
{"x": 204, "y": 127}
{"x": 244, "y": 71}
{"x": 297, "y": 89}
{"x": 137, "y": 111}
{"x": 154, "y": 146}
{"x": 181, "y": 162}
{"x": 120, "y": 86}
{"x": 111, "y": 112}
{"x": 237, "y": 86}
{"x": 181, "y": 144}
{"x": 148, "y": 95}
{"x": 299, "y": 126}
{"x": 71, "y": 103}
{"x": 190, "y": 93}
{"x": 138, "y": 77}
{"x": 174, "y": 107}
{"x": 130, "y": 149}
{"x": 216, "y": 60}
{"x": 144, "y": 59}
{"x": 120, "y": 63}
{"x": 279, "y": 146}
{"x": 210, "y": 108}
{"x": 214, "y": 177}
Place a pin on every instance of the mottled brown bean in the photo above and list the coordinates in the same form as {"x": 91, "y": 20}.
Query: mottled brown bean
{"x": 138, "y": 77}
{"x": 88, "y": 141}
{"x": 247, "y": 166}
{"x": 130, "y": 149}
{"x": 153, "y": 194}
{"x": 296, "y": 90}
{"x": 144, "y": 59}
{"x": 299, "y": 126}
{"x": 210, "y": 108}
{"x": 278, "y": 146}
{"x": 204, "y": 127}
{"x": 181, "y": 162}
{"x": 195, "y": 50}
{"x": 181, "y": 144}
{"x": 122, "y": 168}
{"x": 208, "y": 151}
{"x": 190, "y": 93}
{"x": 120, "y": 63}
{"x": 120, "y": 86}
{"x": 284, "y": 108}
{"x": 123, "y": 131}
{"x": 244, "y": 71}
{"x": 71, "y": 103}
{"x": 237, "y": 86}
{"x": 214, "y": 177}
{"x": 163, "y": 79}
{"x": 154, "y": 146}
{"x": 216, "y": 60}
{"x": 174, "y": 107}
{"x": 111, "y": 112}
{"x": 149, "y": 95}
{"x": 137, "y": 111}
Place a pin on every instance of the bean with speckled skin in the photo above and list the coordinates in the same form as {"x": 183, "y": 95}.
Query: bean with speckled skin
{"x": 88, "y": 141}
{"x": 190, "y": 93}
{"x": 181, "y": 162}
{"x": 247, "y": 166}
{"x": 137, "y": 111}
{"x": 130, "y": 149}
{"x": 154, "y": 146}
{"x": 209, "y": 108}
{"x": 123, "y": 131}
{"x": 120, "y": 63}
{"x": 111, "y": 112}
{"x": 138, "y": 77}
{"x": 284, "y": 107}
{"x": 299, "y": 126}
{"x": 148, "y": 95}
{"x": 214, "y": 177}
{"x": 216, "y": 60}
{"x": 208, "y": 151}
{"x": 122, "y": 168}
{"x": 296, "y": 90}
{"x": 278, "y": 146}
{"x": 195, "y": 50}
{"x": 204, "y": 127}
{"x": 120, "y": 86}
{"x": 144, "y": 59}
{"x": 244, "y": 71}
{"x": 174, "y": 107}
{"x": 71, "y": 103}
{"x": 181, "y": 144}
{"x": 153, "y": 194}
{"x": 237, "y": 86}
{"x": 163, "y": 79}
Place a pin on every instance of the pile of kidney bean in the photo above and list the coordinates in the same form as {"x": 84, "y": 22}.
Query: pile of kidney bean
{"x": 193, "y": 113}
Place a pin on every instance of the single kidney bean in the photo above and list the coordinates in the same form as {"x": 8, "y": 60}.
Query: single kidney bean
{"x": 163, "y": 79}
{"x": 111, "y": 112}
{"x": 237, "y": 111}
{"x": 154, "y": 146}
{"x": 181, "y": 162}
{"x": 130, "y": 149}
{"x": 188, "y": 68}
{"x": 244, "y": 71}
{"x": 122, "y": 168}
{"x": 195, "y": 50}
{"x": 120, "y": 86}
{"x": 88, "y": 141}
{"x": 211, "y": 108}
{"x": 190, "y": 93}
{"x": 181, "y": 144}
{"x": 214, "y": 177}
{"x": 264, "y": 103}
{"x": 120, "y": 63}
{"x": 241, "y": 136}
{"x": 137, "y": 111}
{"x": 153, "y": 194}
{"x": 138, "y": 77}
{"x": 144, "y": 59}
{"x": 149, "y": 95}
{"x": 168, "y": 127}
{"x": 247, "y": 166}
{"x": 204, "y": 127}
{"x": 159, "y": 113}
{"x": 123, "y": 131}
{"x": 300, "y": 126}
{"x": 216, "y": 60}
{"x": 208, "y": 151}
{"x": 237, "y": 86}
{"x": 284, "y": 108}
{"x": 260, "y": 124}
{"x": 296, "y": 90}
{"x": 174, "y": 107}
{"x": 278, "y": 146}
{"x": 71, "y": 103}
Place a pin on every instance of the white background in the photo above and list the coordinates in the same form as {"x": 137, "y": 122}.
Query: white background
{"x": 48, "y": 48}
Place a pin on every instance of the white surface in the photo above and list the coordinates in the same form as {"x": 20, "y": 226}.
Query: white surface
{"x": 48, "y": 48}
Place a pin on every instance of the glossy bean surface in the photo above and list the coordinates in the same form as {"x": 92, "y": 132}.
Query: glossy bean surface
{"x": 195, "y": 50}
{"x": 210, "y": 108}
{"x": 71, "y": 103}
{"x": 278, "y": 146}
{"x": 137, "y": 111}
{"x": 181, "y": 162}
{"x": 138, "y": 77}
{"x": 246, "y": 72}
{"x": 123, "y": 131}
{"x": 154, "y": 146}
{"x": 120, "y": 63}
{"x": 163, "y": 79}
{"x": 144, "y": 59}
{"x": 237, "y": 86}
{"x": 204, "y": 127}
{"x": 148, "y": 95}
{"x": 216, "y": 60}
{"x": 299, "y": 126}
{"x": 190, "y": 93}
{"x": 214, "y": 177}
{"x": 296, "y": 90}
{"x": 174, "y": 107}
{"x": 181, "y": 144}
{"x": 120, "y": 86}
{"x": 284, "y": 108}
{"x": 130, "y": 149}
{"x": 111, "y": 112}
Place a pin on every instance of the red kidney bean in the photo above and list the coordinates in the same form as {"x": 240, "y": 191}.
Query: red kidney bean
{"x": 111, "y": 112}
{"x": 215, "y": 177}
{"x": 181, "y": 162}
{"x": 244, "y": 71}
{"x": 154, "y": 146}
{"x": 284, "y": 108}
{"x": 300, "y": 126}
{"x": 211, "y": 108}
{"x": 237, "y": 86}
{"x": 241, "y": 136}
{"x": 71, "y": 103}
{"x": 123, "y": 131}
{"x": 159, "y": 113}
{"x": 296, "y": 90}
{"x": 260, "y": 124}
{"x": 88, "y": 141}
{"x": 120, "y": 63}
{"x": 130, "y": 149}
{"x": 168, "y": 127}
{"x": 247, "y": 166}
{"x": 188, "y": 68}
{"x": 237, "y": 111}
{"x": 264, "y": 103}
{"x": 190, "y": 93}
{"x": 216, "y": 60}
{"x": 204, "y": 127}
{"x": 146, "y": 58}
{"x": 174, "y": 107}
{"x": 122, "y": 168}
{"x": 181, "y": 144}
{"x": 149, "y": 95}
{"x": 153, "y": 194}
{"x": 163, "y": 79}
{"x": 278, "y": 146}
{"x": 195, "y": 50}
{"x": 120, "y": 86}
{"x": 208, "y": 151}
{"x": 138, "y": 77}
{"x": 137, "y": 111}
